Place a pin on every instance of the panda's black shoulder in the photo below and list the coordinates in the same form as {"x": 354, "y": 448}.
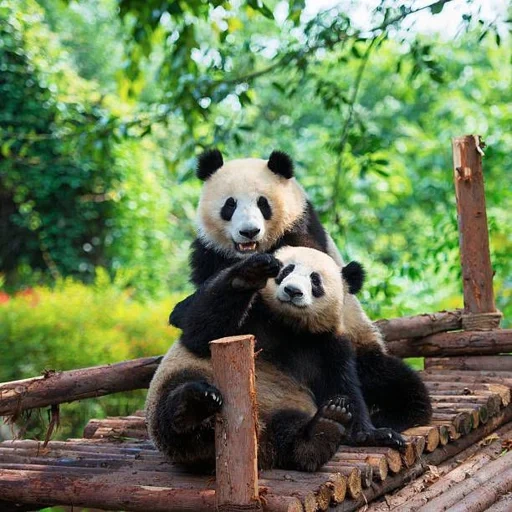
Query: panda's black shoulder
{"x": 306, "y": 232}
{"x": 206, "y": 262}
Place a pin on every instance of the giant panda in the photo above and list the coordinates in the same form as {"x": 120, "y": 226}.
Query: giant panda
{"x": 309, "y": 396}
{"x": 252, "y": 205}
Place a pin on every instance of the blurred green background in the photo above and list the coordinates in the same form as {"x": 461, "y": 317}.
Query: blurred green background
{"x": 104, "y": 105}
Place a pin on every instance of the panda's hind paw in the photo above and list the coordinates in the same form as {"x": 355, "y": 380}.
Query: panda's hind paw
{"x": 337, "y": 409}
{"x": 193, "y": 403}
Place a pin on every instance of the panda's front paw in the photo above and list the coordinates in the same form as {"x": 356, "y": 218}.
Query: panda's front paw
{"x": 380, "y": 437}
{"x": 193, "y": 403}
{"x": 253, "y": 273}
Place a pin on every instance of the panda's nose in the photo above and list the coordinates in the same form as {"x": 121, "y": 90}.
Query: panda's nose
{"x": 249, "y": 233}
{"x": 293, "y": 291}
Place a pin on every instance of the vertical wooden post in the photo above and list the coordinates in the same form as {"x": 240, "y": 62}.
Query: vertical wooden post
{"x": 472, "y": 219}
{"x": 236, "y": 443}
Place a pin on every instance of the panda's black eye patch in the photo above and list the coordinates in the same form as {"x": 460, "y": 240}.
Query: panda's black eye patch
{"x": 265, "y": 208}
{"x": 228, "y": 209}
{"x": 316, "y": 284}
{"x": 285, "y": 272}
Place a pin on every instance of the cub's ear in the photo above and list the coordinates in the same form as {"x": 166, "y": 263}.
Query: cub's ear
{"x": 208, "y": 163}
{"x": 354, "y": 275}
{"x": 281, "y": 164}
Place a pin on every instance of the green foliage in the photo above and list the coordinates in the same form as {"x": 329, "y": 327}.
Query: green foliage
{"x": 73, "y": 326}
{"x": 74, "y": 194}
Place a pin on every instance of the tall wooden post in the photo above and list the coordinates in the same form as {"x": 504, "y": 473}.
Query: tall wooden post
{"x": 236, "y": 444}
{"x": 472, "y": 218}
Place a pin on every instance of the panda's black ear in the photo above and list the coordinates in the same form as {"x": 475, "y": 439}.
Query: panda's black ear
{"x": 208, "y": 163}
{"x": 354, "y": 275}
{"x": 281, "y": 164}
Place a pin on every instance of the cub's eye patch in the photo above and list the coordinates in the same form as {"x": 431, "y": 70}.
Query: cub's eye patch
{"x": 264, "y": 207}
{"x": 228, "y": 209}
{"x": 285, "y": 272}
{"x": 316, "y": 284}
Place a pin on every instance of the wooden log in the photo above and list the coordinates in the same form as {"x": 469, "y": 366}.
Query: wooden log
{"x": 430, "y": 434}
{"x": 377, "y": 462}
{"x": 434, "y": 458}
{"x": 392, "y": 456}
{"x": 418, "y": 442}
{"x": 120, "y": 425}
{"x": 475, "y": 257}
{"x": 352, "y": 475}
{"x": 453, "y": 435}
{"x": 492, "y": 402}
{"x": 473, "y": 410}
{"x": 236, "y": 445}
{"x": 460, "y": 420}
{"x": 469, "y": 376}
{"x": 419, "y": 325}
{"x": 489, "y": 363}
{"x": 464, "y": 388}
{"x": 59, "y": 387}
{"x": 417, "y": 494}
{"x": 409, "y": 455}
{"x": 482, "y": 478}
{"x": 457, "y": 343}
{"x": 444, "y": 434}
{"x": 504, "y": 504}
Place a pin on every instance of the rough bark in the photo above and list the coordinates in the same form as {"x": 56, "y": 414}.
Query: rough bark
{"x": 236, "y": 445}
{"x": 420, "y": 325}
{"x": 477, "y": 363}
{"x": 59, "y": 387}
{"x": 468, "y": 178}
{"x": 430, "y": 434}
{"x": 454, "y": 344}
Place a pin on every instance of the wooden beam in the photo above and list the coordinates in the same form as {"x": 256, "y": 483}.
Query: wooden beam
{"x": 236, "y": 445}
{"x": 59, "y": 387}
{"x": 472, "y": 218}
{"x": 419, "y": 325}
{"x": 454, "y": 343}
{"x": 502, "y": 363}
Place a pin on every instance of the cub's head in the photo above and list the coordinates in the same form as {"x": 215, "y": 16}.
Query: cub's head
{"x": 310, "y": 289}
{"x": 246, "y": 205}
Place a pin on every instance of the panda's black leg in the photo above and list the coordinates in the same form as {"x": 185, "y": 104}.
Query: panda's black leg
{"x": 393, "y": 390}
{"x": 305, "y": 443}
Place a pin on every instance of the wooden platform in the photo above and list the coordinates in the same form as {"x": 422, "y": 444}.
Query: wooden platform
{"x": 115, "y": 467}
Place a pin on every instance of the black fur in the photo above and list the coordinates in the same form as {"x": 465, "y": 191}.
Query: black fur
{"x": 208, "y": 163}
{"x": 316, "y": 285}
{"x": 394, "y": 392}
{"x": 228, "y": 209}
{"x": 354, "y": 275}
{"x": 324, "y": 363}
{"x": 281, "y": 164}
{"x": 265, "y": 208}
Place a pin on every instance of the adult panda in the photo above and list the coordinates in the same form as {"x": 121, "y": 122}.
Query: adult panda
{"x": 253, "y": 205}
{"x": 309, "y": 397}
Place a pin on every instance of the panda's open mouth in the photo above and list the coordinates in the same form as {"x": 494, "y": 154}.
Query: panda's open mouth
{"x": 246, "y": 246}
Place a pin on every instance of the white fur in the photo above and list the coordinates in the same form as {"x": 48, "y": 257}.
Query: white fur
{"x": 245, "y": 180}
{"x": 318, "y": 314}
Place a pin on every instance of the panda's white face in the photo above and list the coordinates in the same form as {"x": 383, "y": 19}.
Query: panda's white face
{"x": 245, "y": 207}
{"x": 309, "y": 290}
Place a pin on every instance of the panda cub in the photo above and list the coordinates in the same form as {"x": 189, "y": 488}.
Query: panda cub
{"x": 251, "y": 205}
{"x": 309, "y": 396}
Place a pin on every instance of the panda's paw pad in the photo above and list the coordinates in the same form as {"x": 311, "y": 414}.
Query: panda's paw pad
{"x": 255, "y": 271}
{"x": 337, "y": 409}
